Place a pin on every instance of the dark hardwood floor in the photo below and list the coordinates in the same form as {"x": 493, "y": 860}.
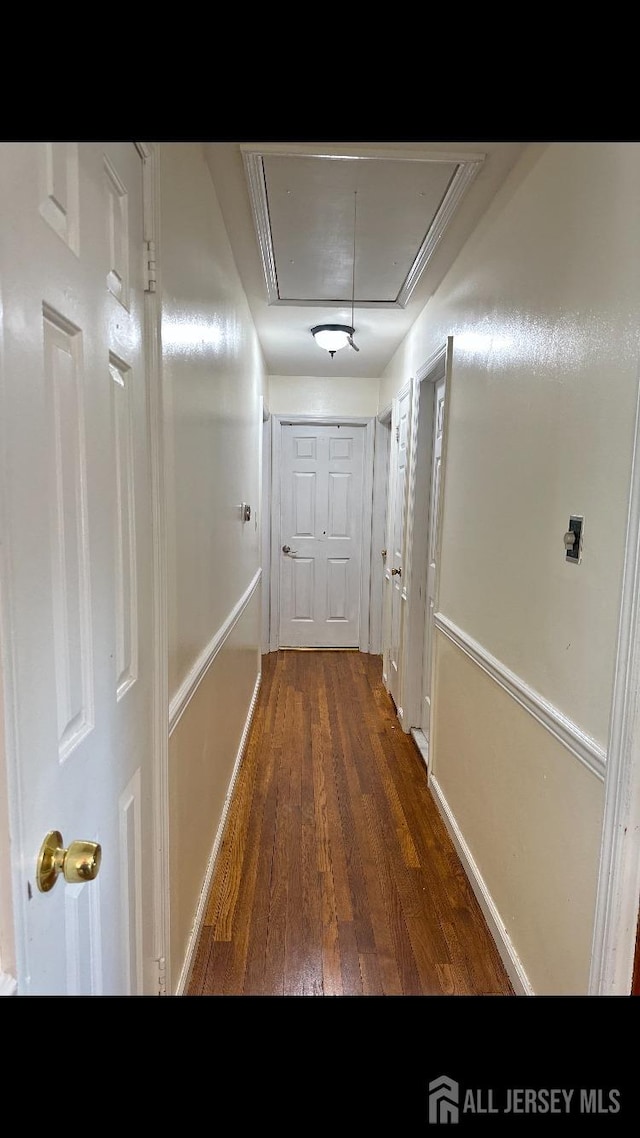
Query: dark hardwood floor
{"x": 336, "y": 875}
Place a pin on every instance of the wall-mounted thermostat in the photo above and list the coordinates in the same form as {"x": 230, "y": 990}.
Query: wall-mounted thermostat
{"x": 573, "y": 539}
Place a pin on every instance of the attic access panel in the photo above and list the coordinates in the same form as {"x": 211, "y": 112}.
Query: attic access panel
{"x": 303, "y": 207}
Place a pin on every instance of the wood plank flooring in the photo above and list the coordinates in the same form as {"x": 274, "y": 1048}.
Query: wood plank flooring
{"x": 336, "y": 875}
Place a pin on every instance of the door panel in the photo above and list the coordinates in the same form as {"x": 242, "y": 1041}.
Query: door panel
{"x": 304, "y": 496}
{"x": 67, "y": 502}
{"x": 303, "y": 588}
{"x": 321, "y": 485}
{"x": 77, "y": 603}
{"x": 337, "y": 588}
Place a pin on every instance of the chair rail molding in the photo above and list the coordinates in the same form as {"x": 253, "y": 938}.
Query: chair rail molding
{"x": 581, "y": 745}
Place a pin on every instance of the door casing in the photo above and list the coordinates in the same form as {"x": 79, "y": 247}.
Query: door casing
{"x": 265, "y": 525}
{"x": 616, "y": 915}
{"x": 379, "y": 529}
{"x": 436, "y": 368}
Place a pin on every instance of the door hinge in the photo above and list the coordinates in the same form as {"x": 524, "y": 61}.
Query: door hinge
{"x": 150, "y": 280}
{"x": 161, "y": 964}
{"x": 398, "y": 433}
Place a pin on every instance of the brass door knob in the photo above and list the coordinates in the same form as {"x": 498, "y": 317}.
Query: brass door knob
{"x": 79, "y": 862}
{"x": 396, "y": 572}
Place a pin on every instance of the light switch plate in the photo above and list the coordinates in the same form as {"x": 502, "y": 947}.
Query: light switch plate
{"x": 576, "y": 525}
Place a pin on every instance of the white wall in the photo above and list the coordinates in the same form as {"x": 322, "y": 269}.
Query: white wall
{"x": 330, "y": 395}
{"x": 203, "y": 752}
{"x": 214, "y": 376}
{"x": 542, "y": 304}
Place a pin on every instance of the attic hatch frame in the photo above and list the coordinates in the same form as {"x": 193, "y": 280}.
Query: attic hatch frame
{"x": 253, "y": 156}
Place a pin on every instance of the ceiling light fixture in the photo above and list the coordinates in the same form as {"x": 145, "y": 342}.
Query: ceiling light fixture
{"x": 333, "y": 337}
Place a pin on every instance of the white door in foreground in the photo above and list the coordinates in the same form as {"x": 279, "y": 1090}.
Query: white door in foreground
{"x": 321, "y": 513}
{"x": 77, "y": 599}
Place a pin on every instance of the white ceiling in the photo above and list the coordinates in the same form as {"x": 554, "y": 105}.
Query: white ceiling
{"x": 295, "y": 211}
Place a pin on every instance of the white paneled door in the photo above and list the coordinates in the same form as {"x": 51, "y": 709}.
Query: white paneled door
{"x": 433, "y": 548}
{"x": 321, "y": 535}
{"x": 401, "y": 423}
{"x": 76, "y": 570}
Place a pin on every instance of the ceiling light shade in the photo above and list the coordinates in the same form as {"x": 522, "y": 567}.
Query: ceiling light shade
{"x": 332, "y": 337}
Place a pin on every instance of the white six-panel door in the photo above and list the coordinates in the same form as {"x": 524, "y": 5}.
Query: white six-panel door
{"x": 320, "y": 546}
{"x": 76, "y": 587}
{"x": 401, "y": 424}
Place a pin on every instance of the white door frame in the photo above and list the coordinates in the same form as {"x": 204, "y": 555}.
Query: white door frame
{"x": 159, "y": 870}
{"x": 265, "y": 526}
{"x": 8, "y": 970}
{"x": 436, "y": 368}
{"x": 382, "y": 453}
{"x": 8, "y": 930}
{"x": 160, "y": 727}
{"x": 277, "y": 423}
{"x": 616, "y": 915}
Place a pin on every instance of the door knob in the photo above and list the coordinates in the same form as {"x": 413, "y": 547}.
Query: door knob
{"x": 396, "y": 572}
{"x": 384, "y": 553}
{"x": 79, "y": 862}
{"x": 288, "y": 549}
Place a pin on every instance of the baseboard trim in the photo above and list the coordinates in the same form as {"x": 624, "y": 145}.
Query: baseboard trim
{"x": 581, "y": 745}
{"x": 191, "y": 682}
{"x": 422, "y": 743}
{"x": 185, "y": 972}
{"x": 510, "y": 958}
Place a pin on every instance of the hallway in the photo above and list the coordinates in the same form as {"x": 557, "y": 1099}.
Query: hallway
{"x": 336, "y": 875}
{"x": 195, "y": 493}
